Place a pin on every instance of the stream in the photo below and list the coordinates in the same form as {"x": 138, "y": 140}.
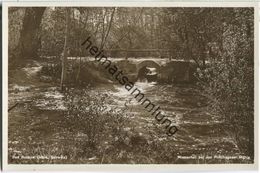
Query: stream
{"x": 199, "y": 134}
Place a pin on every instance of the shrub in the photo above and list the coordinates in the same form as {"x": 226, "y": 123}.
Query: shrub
{"x": 87, "y": 115}
{"x": 228, "y": 82}
{"x": 84, "y": 113}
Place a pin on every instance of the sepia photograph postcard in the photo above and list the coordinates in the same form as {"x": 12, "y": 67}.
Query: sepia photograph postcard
{"x": 130, "y": 85}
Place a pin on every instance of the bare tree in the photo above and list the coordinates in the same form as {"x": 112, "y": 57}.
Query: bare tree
{"x": 106, "y": 32}
{"x": 65, "y": 51}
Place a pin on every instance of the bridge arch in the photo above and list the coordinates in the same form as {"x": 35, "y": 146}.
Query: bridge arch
{"x": 143, "y": 71}
{"x": 148, "y": 63}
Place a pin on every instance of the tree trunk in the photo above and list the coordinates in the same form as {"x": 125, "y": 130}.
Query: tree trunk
{"x": 65, "y": 51}
{"x": 108, "y": 30}
{"x": 29, "y": 39}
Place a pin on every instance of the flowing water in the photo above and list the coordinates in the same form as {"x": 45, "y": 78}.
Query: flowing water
{"x": 199, "y": 132}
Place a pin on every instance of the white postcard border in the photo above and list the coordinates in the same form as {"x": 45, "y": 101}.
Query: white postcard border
{"x": 127, "y": 167}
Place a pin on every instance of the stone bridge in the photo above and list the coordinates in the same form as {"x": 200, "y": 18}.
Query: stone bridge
{"x": 169, "y": 71}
